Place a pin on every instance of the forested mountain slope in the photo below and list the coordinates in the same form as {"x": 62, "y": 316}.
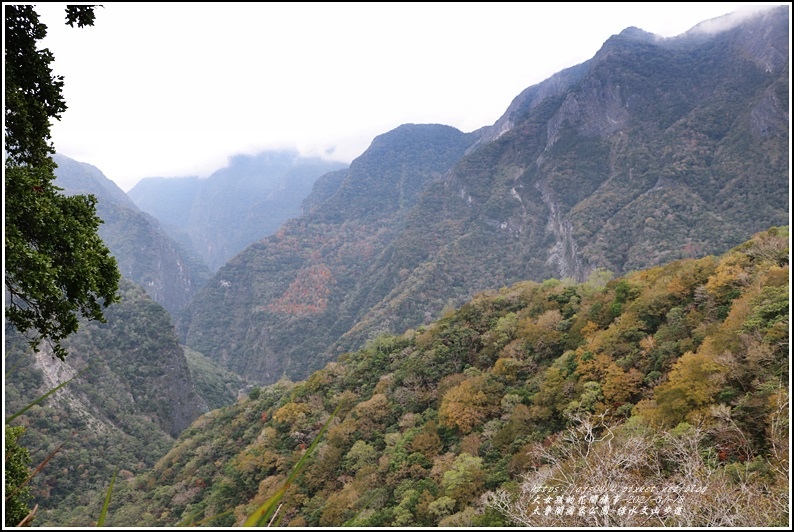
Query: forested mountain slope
{"x": 145, "y": 254}
{"x": 132, "y": 394}
{"x": 285, "y": 299}
{"x": 674, "y": 377}
{"x": 653, "y": 150}
{"x": 453, "y": 295}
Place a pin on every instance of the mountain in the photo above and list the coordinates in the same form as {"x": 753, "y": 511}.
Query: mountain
{"x": 132, "y": 393}
{"x": 666, "y": 389}
{"x": 145, "y": 254}
{"x": 653, "y": 150}
{"x": 300, "y": 289}
{"x": 236, "y": 205}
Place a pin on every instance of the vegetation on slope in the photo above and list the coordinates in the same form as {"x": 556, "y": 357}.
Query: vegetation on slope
{"x": 215, "y": 385}
{"x": 131, "y": 397}
{"x": 674, "y": 377}
{"x": 279, "y": 304}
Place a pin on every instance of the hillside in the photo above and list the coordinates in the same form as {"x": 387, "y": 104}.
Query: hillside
{"x": 145, "y": 254}
{"x": 132, "y": 394}
{"x": 236, "y": 205}
{"x": 298, "y": 290}
{"x": 673, "y": 377}
{"x": 498, "y": 328}
{"x": 652, "y": 151}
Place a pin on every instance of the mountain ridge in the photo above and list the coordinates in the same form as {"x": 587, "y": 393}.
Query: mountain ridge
{"x": 236, "y": 205}
{"x": 292, "y": 278}
{"x": 457, "y": 292}
{"x": 631, "y": 159}
{"x": 145, "y": 254}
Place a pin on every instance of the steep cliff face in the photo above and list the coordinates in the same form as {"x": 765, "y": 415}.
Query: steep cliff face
{"x": 139, "y": 363}
{"x": 132, "y": 394}
{"x": 530, "y": 97}
{"x": 145, "y": 254}
{"x": 641, "y": 154}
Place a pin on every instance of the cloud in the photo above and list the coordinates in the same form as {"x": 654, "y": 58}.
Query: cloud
{"x": 733, "y": 19}
{"x": 168, "y": 89}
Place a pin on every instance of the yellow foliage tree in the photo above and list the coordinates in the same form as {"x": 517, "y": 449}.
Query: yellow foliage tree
{"x": 468, "y": 404}
{"x": 292, "y": 413}
{"x": 693, "y": 384}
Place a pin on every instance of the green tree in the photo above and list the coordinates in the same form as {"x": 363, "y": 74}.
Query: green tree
{"x": 15, "y": 465}
{"x": 57, "y": 268}
{"x": 465, "y": 480}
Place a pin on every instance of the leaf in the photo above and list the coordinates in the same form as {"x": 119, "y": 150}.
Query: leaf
{"x": 35, "y": 472}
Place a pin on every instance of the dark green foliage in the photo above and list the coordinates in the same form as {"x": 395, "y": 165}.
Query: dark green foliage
{"x": 33, "y": 94}
{"x": 56, "y": 266}
{"x": 80, "y": 15}
{"x": 16, "y": 460}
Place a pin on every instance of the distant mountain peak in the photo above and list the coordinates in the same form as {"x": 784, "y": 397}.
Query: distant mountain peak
{"x": 237, "y": 205}
{"x": 636, "y": 34}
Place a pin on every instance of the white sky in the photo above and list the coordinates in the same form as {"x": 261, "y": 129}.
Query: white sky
{"x": 174, "y": 89}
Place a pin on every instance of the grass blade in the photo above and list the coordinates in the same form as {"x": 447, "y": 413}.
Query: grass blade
{"x": 35, "y": 472}
{"x": 205, "y": 520}
{"x": 21, "y": 359}
{"x": 29, "y": 518}
{"x": 104, "y": 512}
{"x": 43, "y": 397}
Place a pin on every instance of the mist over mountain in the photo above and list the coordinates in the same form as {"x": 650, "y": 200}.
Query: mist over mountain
{"x": 303, "y": 287}
{"x": 653, "y": 150}
{"x": 236, "y": 205}
{"x": 145, "y": 254}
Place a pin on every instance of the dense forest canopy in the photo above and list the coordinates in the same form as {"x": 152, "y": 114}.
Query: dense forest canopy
{"x": 669, "y": 381}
